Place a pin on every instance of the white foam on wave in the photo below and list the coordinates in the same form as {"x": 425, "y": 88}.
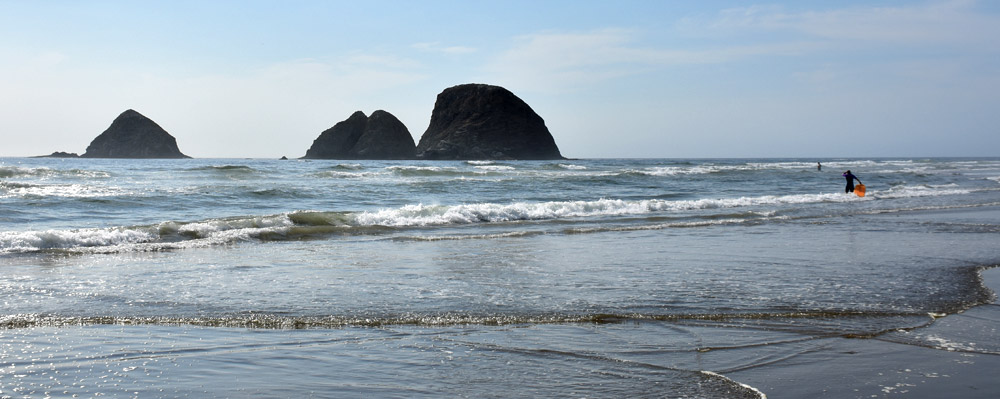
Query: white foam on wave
{"x": 14, "y": 190}
{"x": 920, "y": 191}
{"x": 233, "y": 228}
{"x": 19, "y": 171}
{"x": 166, "y": 235}
{"x": 30, "y": 241}
{"x": 873, "y": 167}
{"x": 714, "y": 168}
{"x": 343, "y": 174}
{"x": 494, "y": 168}
{"x": 346, "y": 170}
{"x": 171, "y": 235}
{"x": 425, "y": 215}
{"x": 756, "y": 391}
{"x": 412, "y": 168}
{"x": 677, "y": 170}
{"x": 572, "y": 166}
{"x": 429, "y": 215}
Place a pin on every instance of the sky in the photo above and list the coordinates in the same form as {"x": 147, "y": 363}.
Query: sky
{"x": 621, "y": 79}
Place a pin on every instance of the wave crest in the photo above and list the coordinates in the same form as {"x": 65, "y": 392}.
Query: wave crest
{"x": 7, "y": 172}
{"x": 303, "y": 224}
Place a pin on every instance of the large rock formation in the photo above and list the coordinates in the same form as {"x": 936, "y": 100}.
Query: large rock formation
{"x": 133, "y": 135}
{"x": 380, "y": 136}
{"x": 477, "y": 121}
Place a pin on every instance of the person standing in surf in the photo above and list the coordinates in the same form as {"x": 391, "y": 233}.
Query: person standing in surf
{"x": 850, "y": 181}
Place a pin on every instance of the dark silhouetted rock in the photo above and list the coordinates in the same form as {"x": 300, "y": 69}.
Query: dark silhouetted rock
{"x": 380, "y": 136}
{"x": 385, "y": 137}
{"x": 133, "y": 135}
{"x": 337, "y": 141}
{"x": 477, "y": 121}
{"x": 60, "y": 154}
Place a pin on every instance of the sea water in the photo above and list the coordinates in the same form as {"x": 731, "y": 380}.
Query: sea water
{"x": 572, "y": 278}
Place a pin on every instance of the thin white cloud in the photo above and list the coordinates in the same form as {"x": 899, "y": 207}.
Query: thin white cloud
{"x": 438, "y": 48}
{"x": 379, "y": 61}
{"x": 953, "y": 22}
{"x": 458, "y": 50}
{"x": 561, "y": 61}
{"x": 48, "y": 59}
{"x": 554, "y": 61}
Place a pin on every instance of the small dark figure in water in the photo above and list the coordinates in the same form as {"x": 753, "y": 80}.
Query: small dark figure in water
{"x": 819, "y": 166}
{"x": 850, "y": 181}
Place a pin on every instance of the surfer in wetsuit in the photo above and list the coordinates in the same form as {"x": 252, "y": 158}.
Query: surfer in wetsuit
{"x": 850, "y": 181}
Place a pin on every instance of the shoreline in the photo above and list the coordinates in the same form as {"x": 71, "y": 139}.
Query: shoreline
{"x": 929, "y": 362}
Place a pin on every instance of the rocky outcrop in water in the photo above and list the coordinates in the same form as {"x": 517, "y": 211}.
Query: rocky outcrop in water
{"x": 60, "y": 154}
{"x": 133, "y": 135}
{"x": 478, "y": 121}
{"x": 379, "y": 136}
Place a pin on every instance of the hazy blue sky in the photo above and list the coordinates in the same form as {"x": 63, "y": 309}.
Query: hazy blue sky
{"x": 610, "y": 78}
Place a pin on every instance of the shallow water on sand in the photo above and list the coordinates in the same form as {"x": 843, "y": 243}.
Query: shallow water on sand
{"x": 597, "y": 278}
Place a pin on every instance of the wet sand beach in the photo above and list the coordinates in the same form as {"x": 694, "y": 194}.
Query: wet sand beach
{"x": 956, "y": 357}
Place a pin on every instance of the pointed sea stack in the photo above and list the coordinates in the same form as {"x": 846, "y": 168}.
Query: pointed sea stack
{"x": 478, "y": 121}
{"x": 379, "y": 136}
{"x": 133, "y": 135}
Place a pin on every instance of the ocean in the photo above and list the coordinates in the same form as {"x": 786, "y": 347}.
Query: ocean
{"x": 573, "y": 278}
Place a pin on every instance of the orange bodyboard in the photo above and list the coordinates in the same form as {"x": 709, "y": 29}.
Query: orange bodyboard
{"x": 860, "y": 190}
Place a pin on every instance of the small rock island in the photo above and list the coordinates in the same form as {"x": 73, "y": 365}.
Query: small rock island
{"x": 132, "y": 135}
{"x": 485, "y": 122}
{"x": 469, "y": 122}
{"x": 378, "y": 137}
{"x": 60, "y": 154}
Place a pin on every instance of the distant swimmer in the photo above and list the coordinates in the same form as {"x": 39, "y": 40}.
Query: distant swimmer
{"x": 819, "y": 166}
{"x": 850, "y": 181}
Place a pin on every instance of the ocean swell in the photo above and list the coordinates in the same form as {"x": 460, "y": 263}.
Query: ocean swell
{"x": 34, "y": 241}
{"x": 303, "y": 224}
{"x": 22, "y": 190}
{"x": 20, "y": 172}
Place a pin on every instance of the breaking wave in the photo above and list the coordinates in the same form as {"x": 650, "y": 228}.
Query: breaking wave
{"x": 409, "y": 170}
{"x": 14, "y": 189}
{"x": 495, "y": 168}
{"x": 479, "y": 169}
{"x": 348, "y": 166}
{"x": 18, "y": 172}
{"x": 238, "y": 172}
{"x": 305, "y": 224}
{"x": 237, "y": 168}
